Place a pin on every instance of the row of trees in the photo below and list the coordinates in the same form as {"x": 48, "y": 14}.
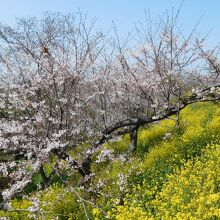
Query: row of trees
{"x": 64, "y": 84}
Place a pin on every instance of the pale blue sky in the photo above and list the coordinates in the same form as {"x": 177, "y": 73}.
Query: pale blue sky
{"x": 123, "y": 12}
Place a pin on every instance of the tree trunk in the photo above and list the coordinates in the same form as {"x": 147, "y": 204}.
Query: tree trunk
{"x": 133, "y": 141}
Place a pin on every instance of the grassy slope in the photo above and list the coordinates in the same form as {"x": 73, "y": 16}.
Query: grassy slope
{"x": 174, "y": 175}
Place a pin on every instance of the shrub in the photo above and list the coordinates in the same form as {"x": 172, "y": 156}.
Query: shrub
{"x": 193, "y": 190}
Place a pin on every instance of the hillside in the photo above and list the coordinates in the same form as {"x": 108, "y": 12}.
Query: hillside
{"x": 173, "y": 175}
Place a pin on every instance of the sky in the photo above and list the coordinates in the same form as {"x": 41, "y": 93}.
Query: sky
{"x": 123, "y": 12}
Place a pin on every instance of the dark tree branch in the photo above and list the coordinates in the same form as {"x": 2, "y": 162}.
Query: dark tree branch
{"x": 129, "y": 126}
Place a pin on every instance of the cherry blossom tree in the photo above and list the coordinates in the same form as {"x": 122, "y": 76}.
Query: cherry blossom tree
{"x": 46, "y": 67}
{"x": 157, "y": 74}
